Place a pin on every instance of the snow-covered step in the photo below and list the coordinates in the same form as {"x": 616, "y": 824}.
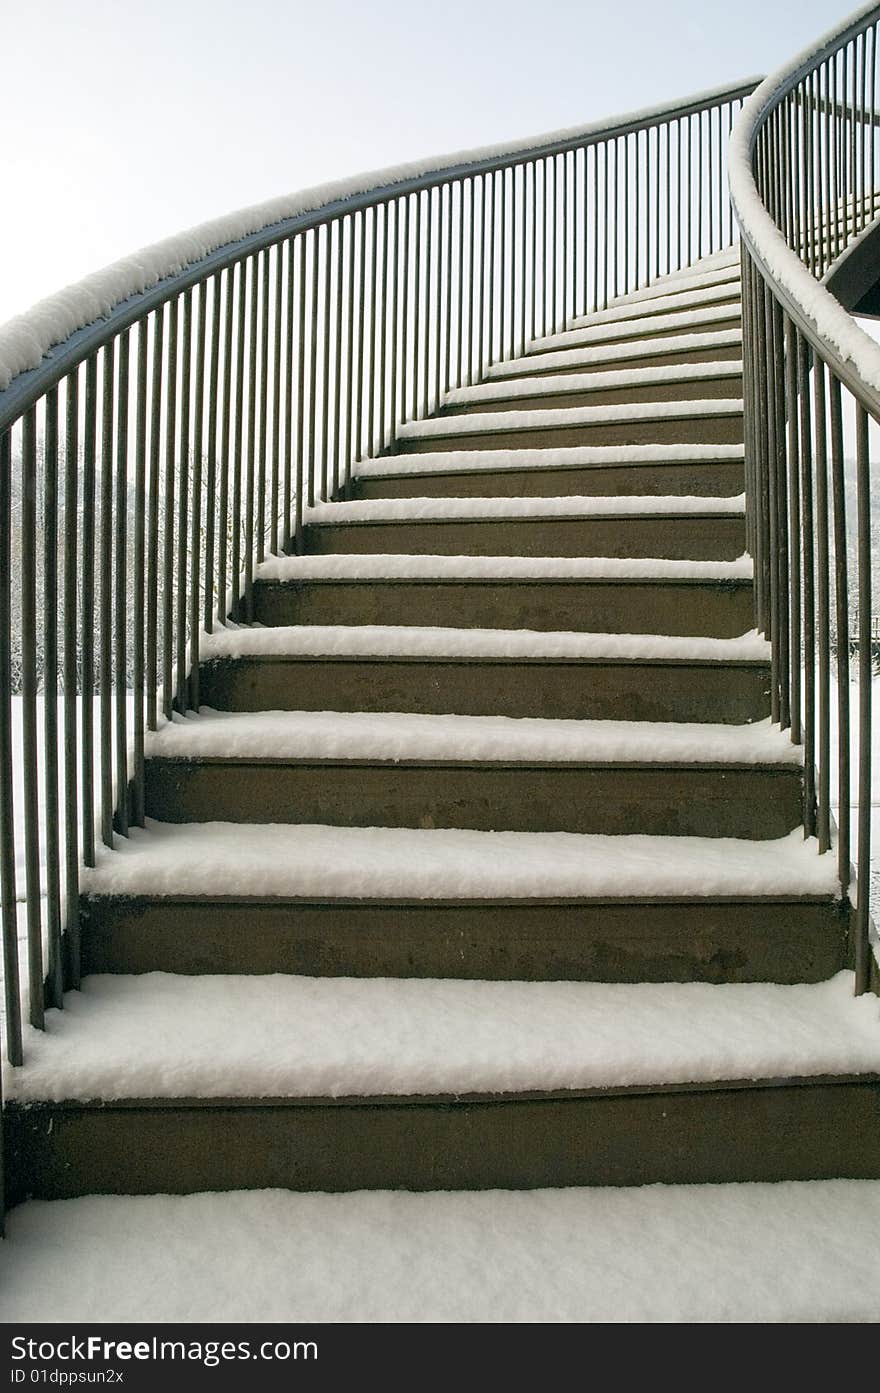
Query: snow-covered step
{"x": 585, "y": 470}
{"x": 792, "y": 1252}
{"x": 648, "y": 350}
{"x": 676, "y": 382}
{"x": 629, "y": 595}
{"x": 694, "y": 277}
{"x": 677, "y": 527}
{"x": 696, "y": 422}
{"x": 726, "y": 315}
{"x": 252, "y": 1082}
{"x": 486, "y": 672}
{"x": 402, "y": 770}
{"x": 671, "y": 299}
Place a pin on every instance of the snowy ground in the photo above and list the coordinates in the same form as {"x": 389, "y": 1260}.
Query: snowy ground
{"x": 789, "y": 1252}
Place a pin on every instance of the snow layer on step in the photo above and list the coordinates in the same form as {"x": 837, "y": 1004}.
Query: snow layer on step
{"x": 649, "y": 324}
{"x": 569, "y": 506}
{"x": 160, "y": 1035}
{"x": 217, "y": 858}
{"x": 554, "y": 457}
{"x": 800, "y": 1252}
{"x": 485, "y": 422}
{"x": 399, "y": 641}
{"x": 593, "y": 382}
{"x": 397, "y": 566}
{"x": 673, "y": 297}
{"x": 647, "y": 346}
{"x": 679, "y": 280}
{"x": 402, "y": 736}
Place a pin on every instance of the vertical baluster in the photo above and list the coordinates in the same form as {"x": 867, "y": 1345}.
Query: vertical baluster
{"x": 54, "y": 969}
{"x": 105, "y": 596}
{"x": 139, "y": 575}
{"x": 251, "y": 427}
{"x": 300, "y": 485}
{"x": 87, "y": 615}
{"x": 213, "y": 405}
{"x": 794, "y": 537}
{"x": 405, "y": 366}
{"x": 29, "y": 760}
{"x": 394, "y": 235}
{"x": 772, "y": 506}
{"x": 275, "y": 462}
{"x": 8, "y": 897}
{"x": 808, "y": 535}
{"x": 450, "y": 210}
{"x": 358, "y": 369}
{"x": 838, "y": 494}
{"x": 336, "y": 463}
{"x": 120, "y": 588}
{"x": 862, "y": 924}
{"x": 226, "y": 429}
{"x": 310, "y": 461}
{"x": 185, "y": 485}
{"x": 426, "y": 312}
{"x": 190, "y": 689}
{"x": 348, "y": 414}
{"x": 291, "y": 404}
{"x": 330, "y": 234}
{"x": 259, "y": 552}
{"x": 168, "y": 506}
{"x": 823, "y": 608}
{"x": 69, "y": 672}
{"x": 382, "y": 324}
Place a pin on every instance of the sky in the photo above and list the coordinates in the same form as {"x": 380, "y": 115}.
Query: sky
{"x": 127, "y": 121}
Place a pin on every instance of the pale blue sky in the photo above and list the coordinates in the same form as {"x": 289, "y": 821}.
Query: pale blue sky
{"x": 123, "y": 122}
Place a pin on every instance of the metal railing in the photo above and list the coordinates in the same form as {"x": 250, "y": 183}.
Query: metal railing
{"x": 805, "y": 183}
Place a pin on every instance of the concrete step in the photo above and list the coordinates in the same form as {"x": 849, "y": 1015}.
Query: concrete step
{"x": 685, "y": 347}
{"x": 696, "y": 598}
{"x": 704, "y": 422}
{"x": 671, "y": 529}
{"x": 483, "y": 672}
{"x": 443, "y": 1085}
{"x": 616, "y": 327}
{"x": 693, "y": 382}
{"x": 711, "y": 471}
{"x": 363, "y": 770}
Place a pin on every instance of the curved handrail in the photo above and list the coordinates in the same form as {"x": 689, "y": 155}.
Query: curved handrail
{"x": 819, "y": 317}
{"x": 40, "y": 346}
{"x": 805, "y": 185}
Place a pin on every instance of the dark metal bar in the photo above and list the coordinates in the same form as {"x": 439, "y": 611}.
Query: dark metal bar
{"x": 87, "y": 615}
{"x": 181, "y": 585}
{"x": 808, "y": 534}
{"x": 139, "y": 577}
{"x": 29, "y": 762}
{"x": 838, "y": 493}
{"x": 250, "y": 477}
{"x": 8, "y": 897}
{"x": 168, "y": 497}
{"x": 120, "y": 589}
{"x": 862, "y": 912}
{"x": 823, "y": 610}
{"x": 213, "y": 404}
{"x": 54, "y": 967}
{"x": 275, "y": 484}
{"x": 190, "y": 691}
{"x": 69, "y": 675}
{"x": 794, "y": 532}
{"x": 105, "y": 596}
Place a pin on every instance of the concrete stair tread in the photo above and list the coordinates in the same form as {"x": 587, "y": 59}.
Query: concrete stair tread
{"x": 399, "y": 736}
{"x": 591, "y": 357}
{"x": 564, "y": 457}
{"x": 389, "y": 566}
{"x": 515, "y": 645}
{"x": 672, "y": 297}
{"x": 796, "y": 1252}
{"x": 163, "y": 1036}
{"x": 307, "y": 861}
{"x": 677, "y": 320}
{"x": 642, "y": 413}
{"x": 473, "y": 509}
{"x": 673, "y": 375}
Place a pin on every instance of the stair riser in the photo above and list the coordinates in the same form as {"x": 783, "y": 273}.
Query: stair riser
{"x": 696, "y": 940}
{"x": 677, "y": 1137}
{"x": 720, "y": 610}
{"x": 673, "y": 430}
{"x": 701, "y": 389}
{"x": 662, "y": 801}
{"x": 729, "y": 317}
{"x": 615, "y": 691}
{"x": 687, "y": 537}
{"x": 638, "y": 354}
{"x": 708, "y": 479}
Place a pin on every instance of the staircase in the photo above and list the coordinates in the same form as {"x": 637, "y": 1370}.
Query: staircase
{"x": 482, "y": 864}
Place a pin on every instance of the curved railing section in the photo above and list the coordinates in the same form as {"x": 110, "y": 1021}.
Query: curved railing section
{"x": 168, "y": 423}
{"x": 805, "y": 184}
